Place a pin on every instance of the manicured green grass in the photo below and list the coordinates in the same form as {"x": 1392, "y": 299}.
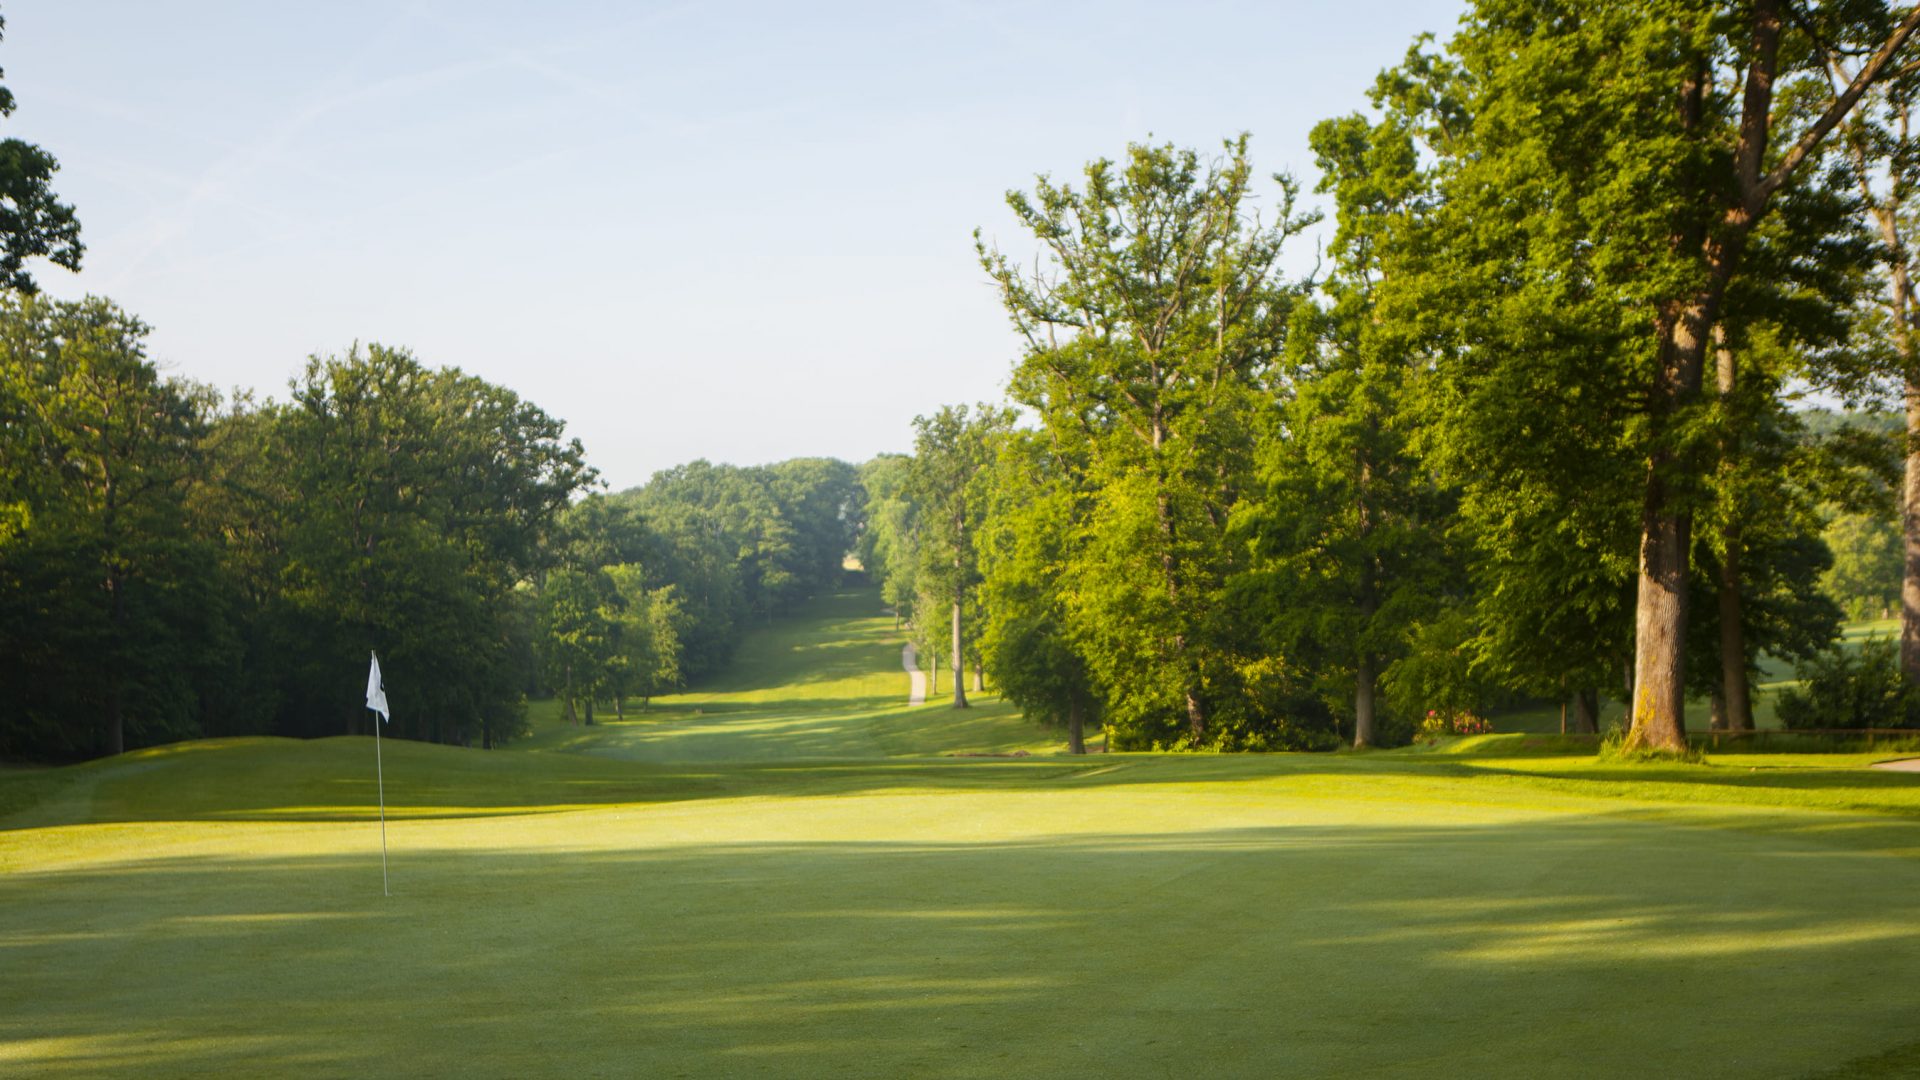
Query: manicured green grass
{"x": 797, "y": 881}
{"x": 829, "y": 685}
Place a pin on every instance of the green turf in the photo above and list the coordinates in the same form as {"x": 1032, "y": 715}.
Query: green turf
{"x": 796, "y": 880}
{"x": 830, "y": 685}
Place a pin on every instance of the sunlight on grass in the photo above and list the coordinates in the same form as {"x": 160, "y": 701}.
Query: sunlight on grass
{"x": 793, "y": 878}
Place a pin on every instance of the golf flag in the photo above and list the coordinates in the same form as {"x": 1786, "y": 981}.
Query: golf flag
{"x": 376, "y": 690}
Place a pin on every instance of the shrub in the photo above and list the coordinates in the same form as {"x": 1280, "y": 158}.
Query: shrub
{"x": 1846, "y": 688}
{"x": 1439, "y": 722}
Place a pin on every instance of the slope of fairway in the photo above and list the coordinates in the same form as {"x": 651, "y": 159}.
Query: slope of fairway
{"x": 825, "y": 683}
{"x": 1494, "y": 907}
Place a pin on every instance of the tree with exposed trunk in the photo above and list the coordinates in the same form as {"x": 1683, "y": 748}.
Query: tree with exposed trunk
{"x": 1610, "y": 166}
{"x": 951, "y": 448}
{"x": 1884, "y": 151}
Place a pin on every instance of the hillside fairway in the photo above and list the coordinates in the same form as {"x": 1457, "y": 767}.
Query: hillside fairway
{"x": 785, "y": 875}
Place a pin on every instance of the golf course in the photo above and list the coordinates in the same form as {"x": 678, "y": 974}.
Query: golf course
{"x": 790, "y": 872}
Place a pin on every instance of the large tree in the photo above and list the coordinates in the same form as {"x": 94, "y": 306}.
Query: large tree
{"x": 1032, "y": 523}
{"x": 1622, "y": 155}
{"x": 1350, "y": 534}
{"x": 424, "y": 500}
{"x": 106, "y": 598}
{"x": 1150, "y": 324}
{"x": 1883, "y": 150}
{"x": 34, "y": 223}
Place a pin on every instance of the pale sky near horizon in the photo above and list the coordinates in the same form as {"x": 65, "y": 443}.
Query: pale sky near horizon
{"x": 735, "y": 231}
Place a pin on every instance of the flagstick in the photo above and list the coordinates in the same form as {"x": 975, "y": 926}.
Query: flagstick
{"x": 380, "y": 777}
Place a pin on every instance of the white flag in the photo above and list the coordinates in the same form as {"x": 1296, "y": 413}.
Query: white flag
{"x": 376, "y": 690}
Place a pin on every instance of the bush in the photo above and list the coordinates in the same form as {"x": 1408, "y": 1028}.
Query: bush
{"x": 1440, "y": 722}
{"x": 1846, "y": 688}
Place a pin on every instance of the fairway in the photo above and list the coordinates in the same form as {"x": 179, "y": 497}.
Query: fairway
{"x": 787, "y": 873}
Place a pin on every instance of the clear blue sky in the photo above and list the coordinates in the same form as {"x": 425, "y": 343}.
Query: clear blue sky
{"x": 733, "y": 231}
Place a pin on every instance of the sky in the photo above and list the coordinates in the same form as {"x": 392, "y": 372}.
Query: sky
{"x": 733, "y": 231}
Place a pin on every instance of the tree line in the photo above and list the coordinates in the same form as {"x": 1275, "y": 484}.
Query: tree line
{"x": 1530, "y": 428}
{"x": 174, "y": 564}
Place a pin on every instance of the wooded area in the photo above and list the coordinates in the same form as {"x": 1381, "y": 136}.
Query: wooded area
{"x": 1590, "y": 397}
{"x": 1537, "y": 427}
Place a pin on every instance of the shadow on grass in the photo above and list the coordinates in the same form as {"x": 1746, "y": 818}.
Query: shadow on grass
{"x": 330, "y": 780}
{"x": 1527, "y": 949}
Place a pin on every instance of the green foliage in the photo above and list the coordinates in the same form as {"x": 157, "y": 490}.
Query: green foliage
{"x": 647, "y": 625}
{"x": 110, "y": 605}
{"x": 1864, "y": 579}
{"x": 1029, "y": 528}
{"x": 1437, "y": 675}
{"x": 1846, "y": 687}
{"x": 946, "y": 488}
{"x": 1151, "y": 324}
{"x": 1350, "y": 540}
{"x": 885, "y": 546}
{"x": 35, "y": 223}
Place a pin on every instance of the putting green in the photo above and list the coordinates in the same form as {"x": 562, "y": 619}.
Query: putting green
{"x": 777, "y": 885}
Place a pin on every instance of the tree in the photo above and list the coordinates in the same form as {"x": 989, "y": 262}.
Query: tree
{"x": 425, "y": 499}
{"x": 34, "y": 223}
{"x": 105, "y": 595}
{"x": 1621, "y": 158}
{"x": 1023, "y": 542}
{"x": 646, "y": 626}
{"x": 1350, "y": 536}
{"x": 1883, "y": 151}
{"x": 820, "y": 498}
{"x": 577, "y": 638}
{"x": 1148, "y": 331}
{"x": 1865, "y": 579}
{"x": 951, "y": 449}
{"x": 885, "y": 547}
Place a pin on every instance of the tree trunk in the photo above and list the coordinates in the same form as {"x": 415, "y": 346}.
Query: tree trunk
{"x": 589, "y": 709}
{"x": 116, "y": 720}
{"x": 117, "y": 614}
{"x": 1076, "y": 730}
{"x": 1586, "y": 710}
{"x": 933, "y": 672}
{"x": 1657, "y": 711}
{"x": 1660, "y": 628}
{"x": 1659, "y": 703}
{"x": 1363, "y": 704}
{"x": 1735, "y": 691}
{"x": 1910, "y": 539}
{"x": 959, "y": 662}
{"x": 1735, "y": 698}
{"x": 619, "y": 706}
{"x": 979, "y": 678}
{"x": 1169, "y": 572}
{"x": 572, "y": 717}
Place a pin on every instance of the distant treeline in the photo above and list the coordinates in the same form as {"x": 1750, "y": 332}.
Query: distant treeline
{"x": 173, "y": 565}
